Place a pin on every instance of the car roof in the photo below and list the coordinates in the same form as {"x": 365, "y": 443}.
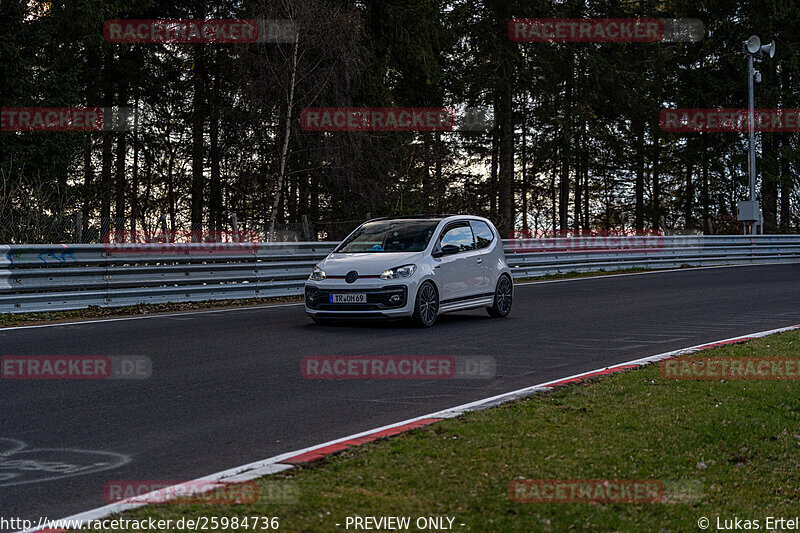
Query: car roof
{"x": 410, "y": 217}
{"x": 428, "y": 217}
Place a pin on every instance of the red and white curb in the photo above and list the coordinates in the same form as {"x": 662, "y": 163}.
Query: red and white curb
{"x": 285, "y": 461}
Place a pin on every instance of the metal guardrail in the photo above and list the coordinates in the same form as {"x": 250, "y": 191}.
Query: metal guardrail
{"x": 61, "y": 277}
{"x": 538, "y": 257}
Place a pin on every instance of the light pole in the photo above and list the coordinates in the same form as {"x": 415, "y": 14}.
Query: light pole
{"x": 749, "y": 211}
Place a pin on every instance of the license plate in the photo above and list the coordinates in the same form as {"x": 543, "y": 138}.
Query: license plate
{"x": 349, "y": 298}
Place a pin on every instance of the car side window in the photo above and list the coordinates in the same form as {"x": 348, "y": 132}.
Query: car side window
{"x": 460, "y": 236}
{"x": 483, "y": 233}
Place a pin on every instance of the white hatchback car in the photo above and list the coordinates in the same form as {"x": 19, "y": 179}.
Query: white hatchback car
{"x": 412, "y": 266}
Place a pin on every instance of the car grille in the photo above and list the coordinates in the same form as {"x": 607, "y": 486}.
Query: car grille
{"x": 377, "y": 299}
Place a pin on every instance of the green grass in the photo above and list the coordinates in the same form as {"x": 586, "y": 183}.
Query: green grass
{"x": 47, "y": 317}
{"x": 722, "y": 448}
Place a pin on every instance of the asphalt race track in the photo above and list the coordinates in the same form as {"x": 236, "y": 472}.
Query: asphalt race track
{"x": 226, "y": 387}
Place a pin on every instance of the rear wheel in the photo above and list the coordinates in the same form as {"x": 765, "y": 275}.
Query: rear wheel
{"x": 503, "y": 296}
{"x": 426, "y": 306}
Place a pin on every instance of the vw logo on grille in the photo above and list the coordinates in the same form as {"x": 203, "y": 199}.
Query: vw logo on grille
{"x": 351, "y": 276}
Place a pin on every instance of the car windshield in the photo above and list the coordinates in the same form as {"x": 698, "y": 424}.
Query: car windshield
{"x": 390, "y": 236}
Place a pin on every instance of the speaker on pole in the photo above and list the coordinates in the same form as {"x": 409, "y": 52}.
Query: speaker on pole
{"x": 753, "y": 44}
{"x": 769, "y": 49}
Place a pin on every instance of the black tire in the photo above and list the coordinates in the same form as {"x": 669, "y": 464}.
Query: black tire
{"x": 503, "y": 297}
{"x": 426, "y": 306}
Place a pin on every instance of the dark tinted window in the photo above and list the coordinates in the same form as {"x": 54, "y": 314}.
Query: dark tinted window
{"x": 390, "y": 236}
{"x": 483, "y": 234}
{"x": 460, "y": 236}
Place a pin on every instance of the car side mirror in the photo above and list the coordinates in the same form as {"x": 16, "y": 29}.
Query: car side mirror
{"x": 450, "y": 249}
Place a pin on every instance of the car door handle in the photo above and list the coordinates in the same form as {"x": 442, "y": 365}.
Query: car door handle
{"x": 479, "y": 260}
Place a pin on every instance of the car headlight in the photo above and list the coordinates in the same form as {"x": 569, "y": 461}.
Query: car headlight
{"x": 317, "y": 274}
{"x": 399, "y": 272}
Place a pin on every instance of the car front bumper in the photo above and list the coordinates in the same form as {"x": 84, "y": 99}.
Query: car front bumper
{"x": 384, "y": 300}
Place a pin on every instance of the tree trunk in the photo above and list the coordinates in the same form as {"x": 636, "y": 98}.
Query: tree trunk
{"x": 285, "y": 148}
{"x": 786, "y": 191}
{"x": 314, "y": 192}
{"x": 525, "y": 167}
{"x": 145, "y": 209}
{"x": 105, "y": 172}
{"x": 437, "y": 172}
{"x": 578, "y": 181}
{"x": 553, "y": 204}
{"x": 506, "y": 155}
{"x": 134, "y": 200}
{"x": 566, "y": 148}
{"x": 493, "y": 170}
{"x": 171, "y": 191}
{"x": 656, "y": 214}
{"x": 427, "y": 157}
{"x": 585, "y": 165}
{"x": 704, "y": 187}
{"x": 88, "y": 179}
{"x": 122, "y": 149}
{"x": 198, "y": 123}
{"x": 563, "y": 196}
{"x": 216, "y": 223}
{"x": 291, "y": 199}
{"x": 606, "y": 198}
{"x": 638, "y": 213}
{"x": 92, "y": 71}
{"x": 689, "y": 205}
{"x": 769, "y": 184}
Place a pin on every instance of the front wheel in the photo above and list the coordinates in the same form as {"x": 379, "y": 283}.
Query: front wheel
{"x": 503, "y": 296}
{"x": 426, "y": 306}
